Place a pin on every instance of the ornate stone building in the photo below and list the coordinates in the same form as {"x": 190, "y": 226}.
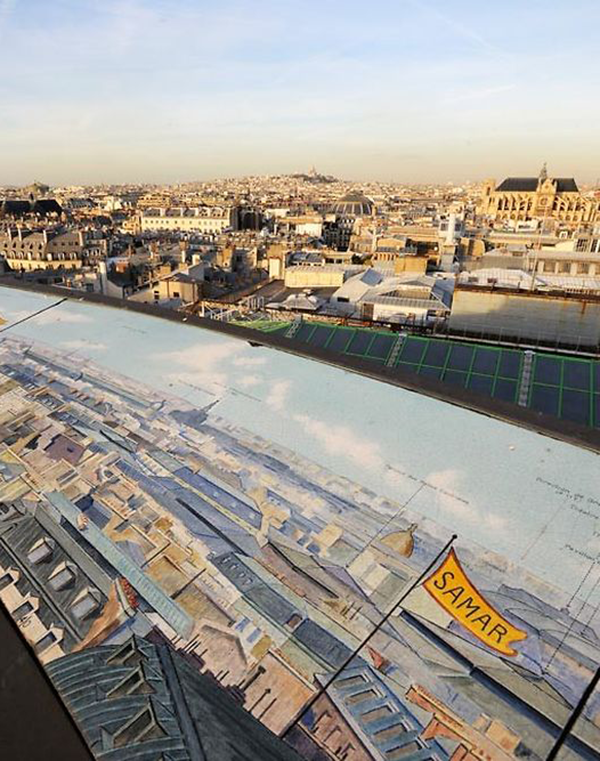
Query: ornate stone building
{"x": 28, "y": 250}
{"x": 522, "y": 199}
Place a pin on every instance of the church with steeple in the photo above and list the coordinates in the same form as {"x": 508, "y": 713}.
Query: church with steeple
{"x": 522, "y": 199}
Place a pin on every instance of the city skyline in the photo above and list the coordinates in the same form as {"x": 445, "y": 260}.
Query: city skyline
{"x": 409, "y": 92}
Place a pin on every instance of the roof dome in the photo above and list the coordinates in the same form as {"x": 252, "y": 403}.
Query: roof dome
{"x": 401, "y": 542}
{"x": 353, "y": 205}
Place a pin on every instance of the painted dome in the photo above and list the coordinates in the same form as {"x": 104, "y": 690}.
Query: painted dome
{"x": 401, "y": 541}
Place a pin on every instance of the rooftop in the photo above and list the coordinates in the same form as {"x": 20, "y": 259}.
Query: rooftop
{"x": 530, "y": 185}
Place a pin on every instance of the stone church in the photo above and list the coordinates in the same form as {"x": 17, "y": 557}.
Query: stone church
{"x": 545, "y": 198}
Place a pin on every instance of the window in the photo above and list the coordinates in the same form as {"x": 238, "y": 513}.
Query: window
{"x": 322, "y": 719}
{"x": 23, "y": 610}
{"x": 254, "y": 636}
{"x": 360, "y": 697}
{"x": 405, "y": 751}
{"x": 6, "y": 580}
{"x": 377, "y": 713}
{"x": 126, "y": 655}
{"x": 62, "y": 576}
{"x": 45, "y": 642}
{"x": 87, "y": 602}
{"x": 396, "y": 730}
{"x": 133, "y": 684}
{"x": 42, "y": 550}
{"x": 143, "y": 726}
{"x": 294, "y": 620}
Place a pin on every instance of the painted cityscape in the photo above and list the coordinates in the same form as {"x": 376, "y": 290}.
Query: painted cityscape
{"x": 194, "y": 528}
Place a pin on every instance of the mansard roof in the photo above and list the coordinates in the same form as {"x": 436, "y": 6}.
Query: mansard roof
{"x": 530, "y": 185}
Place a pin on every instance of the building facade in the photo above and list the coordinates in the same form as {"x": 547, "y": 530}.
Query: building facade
{"x": 36, "y": 250}
{"x": 521, "y": 199}
{"x": 555, "y": 316}
{"x": 204, "y": 219}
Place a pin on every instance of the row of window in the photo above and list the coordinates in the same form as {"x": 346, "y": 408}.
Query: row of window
{"x": 87, "y": 601}
{"x": 566, "y": 268}
{"x": 50, "y": 244}
{"x": 29, "y": 256}
{"x": 62, "y": 576}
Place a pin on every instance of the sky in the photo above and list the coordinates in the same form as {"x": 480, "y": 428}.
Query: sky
{"x": 383, "y": 437}
{"x": 395, "y": 90}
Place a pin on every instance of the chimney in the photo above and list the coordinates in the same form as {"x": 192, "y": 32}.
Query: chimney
{"x": 451, "y": 229}
{"x": 103, "y": 272}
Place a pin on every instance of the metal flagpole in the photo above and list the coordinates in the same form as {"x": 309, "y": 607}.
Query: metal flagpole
{"x": 368, "y": 638}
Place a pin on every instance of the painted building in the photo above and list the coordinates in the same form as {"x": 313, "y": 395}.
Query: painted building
{"x": 141, "y": 700}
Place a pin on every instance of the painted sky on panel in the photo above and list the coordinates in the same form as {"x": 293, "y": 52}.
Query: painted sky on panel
{"x": 365, "y": 430}
{"x": 415, "y": 90}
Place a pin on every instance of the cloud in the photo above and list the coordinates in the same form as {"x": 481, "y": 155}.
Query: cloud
{"x": 51, "y": 317}
{"x": 249, "y": 361}
{"x": 56, "y": 315}
{"x": 201, "y": 363}
{"x": 342, "y": 441}
{"x": 201, "y": 356}
{"x": 248, "y": 381}
{"x": 446, "y": 486}
{"x": 80, "y": 343}
{"x": 278, "y": 395}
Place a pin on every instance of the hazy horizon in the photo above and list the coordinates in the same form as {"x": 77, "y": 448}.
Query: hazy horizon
{"x": 240, "y": 177}
{"x": 147, "y": 91}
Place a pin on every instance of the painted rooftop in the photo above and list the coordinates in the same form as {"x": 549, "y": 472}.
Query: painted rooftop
{"x": 357, "y": 569}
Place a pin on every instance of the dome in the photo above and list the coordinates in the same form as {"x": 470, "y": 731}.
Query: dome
{"x": 401, "y": 541}
{"x": 353, "y": 205}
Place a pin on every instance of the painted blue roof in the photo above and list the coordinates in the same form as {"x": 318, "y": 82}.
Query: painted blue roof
{"x": 243, "y": 509}
{"x": 143, "y": 585}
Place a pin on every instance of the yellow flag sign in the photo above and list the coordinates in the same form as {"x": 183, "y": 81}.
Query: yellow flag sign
{"x": 450, "y": 588}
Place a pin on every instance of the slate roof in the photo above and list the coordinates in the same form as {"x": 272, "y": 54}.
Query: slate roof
{"x": 530, "y": 184}
{"x": 143, "y": 701}
{"x": 46, "y": 206}
{"x": 16, "y": 208}
{"x": 20, "y": 207}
